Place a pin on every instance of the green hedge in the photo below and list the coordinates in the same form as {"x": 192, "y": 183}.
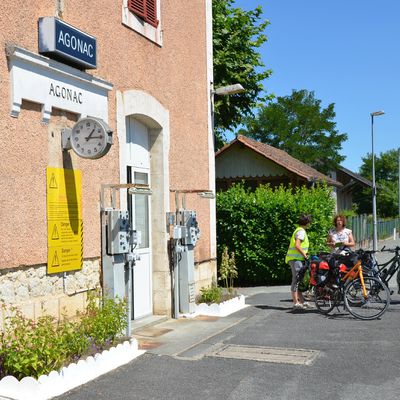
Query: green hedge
{"x": 257, "y": 226}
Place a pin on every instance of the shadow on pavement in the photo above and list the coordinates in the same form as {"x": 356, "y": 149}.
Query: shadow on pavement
{"x": 288, "y": 309}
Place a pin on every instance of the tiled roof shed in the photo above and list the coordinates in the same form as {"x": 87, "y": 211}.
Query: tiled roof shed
{"x": 246, "y": 158}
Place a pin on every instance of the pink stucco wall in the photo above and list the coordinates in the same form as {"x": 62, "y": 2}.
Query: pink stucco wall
{"x": 174, "y": 74}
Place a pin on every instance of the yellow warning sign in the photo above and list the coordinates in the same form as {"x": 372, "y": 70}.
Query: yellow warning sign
{"x": 64, "y": 220}
{"x": 64, "y": 232}
{"x": 53, "y": 182}
{"x": 61, "y": 259}
{"x": 64, "y": 194}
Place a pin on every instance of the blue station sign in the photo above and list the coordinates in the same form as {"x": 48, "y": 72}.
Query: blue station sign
{"x": 67, "y": 44}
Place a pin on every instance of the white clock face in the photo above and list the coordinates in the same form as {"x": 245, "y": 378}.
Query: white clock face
{"x": 90, "y": 138}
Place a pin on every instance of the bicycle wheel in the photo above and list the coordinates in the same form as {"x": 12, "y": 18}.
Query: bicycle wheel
{"x": 352, "y": 292}
{"x": 398, "y": 281}
{"x": 326, "y": 298}
{"x": 373, "y": 305}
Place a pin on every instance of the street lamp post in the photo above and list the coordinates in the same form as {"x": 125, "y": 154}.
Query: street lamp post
{"x": 375, "y": 232}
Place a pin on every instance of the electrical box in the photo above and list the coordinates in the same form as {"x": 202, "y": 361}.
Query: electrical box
{"x": 170, "y": 219}
{"x": 192, "y": 233}
{"x": 177, "y": 232}
{"x": 135, "y": 238}
{"x": 117, "y": 232}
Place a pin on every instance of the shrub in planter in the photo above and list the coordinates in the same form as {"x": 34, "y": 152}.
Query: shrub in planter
{"x": 104, "y": 320}
{"x": 34, "y": 348}
{"x": 31, "y": 348}
{"x": 212, "y": 294}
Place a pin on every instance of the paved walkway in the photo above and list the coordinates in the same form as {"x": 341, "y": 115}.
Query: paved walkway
{"x": 192, "y": 358}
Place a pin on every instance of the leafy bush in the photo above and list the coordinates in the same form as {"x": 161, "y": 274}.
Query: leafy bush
{"x": 31, "y": 348}
{"x": 103, "y": 324}
{"x": 258, "y": 225}
{"x": 212, "y": 294}
{"x": 34, "y": 348}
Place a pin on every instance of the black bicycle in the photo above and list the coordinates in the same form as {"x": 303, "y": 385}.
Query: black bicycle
{"x": 387, "y": 270}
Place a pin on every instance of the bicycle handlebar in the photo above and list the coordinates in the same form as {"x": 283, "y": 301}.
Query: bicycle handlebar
{"x": 395, "y": 250}
{"x": 362, "y": 251}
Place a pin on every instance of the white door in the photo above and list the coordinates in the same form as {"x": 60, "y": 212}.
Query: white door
{"x": 138, "y": 171}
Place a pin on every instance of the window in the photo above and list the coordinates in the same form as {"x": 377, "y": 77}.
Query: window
{"x": 144, "y": 17}
{"x": 138, "y": 208}
{"x": 145, "y": 9}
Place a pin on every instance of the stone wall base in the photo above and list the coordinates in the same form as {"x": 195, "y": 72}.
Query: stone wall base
{"x": 35, "y": 293}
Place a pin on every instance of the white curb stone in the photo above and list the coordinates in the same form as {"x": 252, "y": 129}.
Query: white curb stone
{"x": 57, "y": 383}
{"x": 219, "y": 310}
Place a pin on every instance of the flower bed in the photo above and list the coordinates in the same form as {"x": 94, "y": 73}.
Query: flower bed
{"x": 58, "y": 382}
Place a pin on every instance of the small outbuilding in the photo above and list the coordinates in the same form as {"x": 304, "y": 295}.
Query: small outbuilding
{"x": 255, "y": 163}
{"x": 351, "y": 183}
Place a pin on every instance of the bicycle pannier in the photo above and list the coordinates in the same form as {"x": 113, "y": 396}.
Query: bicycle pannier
{"x": 322, "y": 273}
{"x": 313, "y": 274}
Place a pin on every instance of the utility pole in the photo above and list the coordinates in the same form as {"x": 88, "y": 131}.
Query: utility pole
{"x": 374, "y": 218}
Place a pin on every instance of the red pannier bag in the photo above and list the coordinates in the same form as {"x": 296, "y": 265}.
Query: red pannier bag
{"x": 313, "y": 272}
{"x": 322, "y": 273}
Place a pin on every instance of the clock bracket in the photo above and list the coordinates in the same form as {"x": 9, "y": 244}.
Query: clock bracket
{"x": 66, "y": 139}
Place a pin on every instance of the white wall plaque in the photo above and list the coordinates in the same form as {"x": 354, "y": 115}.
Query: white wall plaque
{"x": 53, "y": 84}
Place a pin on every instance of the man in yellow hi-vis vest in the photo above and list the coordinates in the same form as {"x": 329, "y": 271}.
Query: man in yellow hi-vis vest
{"x": 296, "y": 254}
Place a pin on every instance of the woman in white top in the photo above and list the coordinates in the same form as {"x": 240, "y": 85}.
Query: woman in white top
{"x": 340, "y": 236}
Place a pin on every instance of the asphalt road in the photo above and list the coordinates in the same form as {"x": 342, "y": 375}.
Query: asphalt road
{"x": 354, "y": 359}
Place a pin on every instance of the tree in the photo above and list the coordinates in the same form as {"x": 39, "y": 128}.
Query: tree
{"x": 237, "y": 36}
{"x": 299, "y": 125}
{"x": 386, "y": 177}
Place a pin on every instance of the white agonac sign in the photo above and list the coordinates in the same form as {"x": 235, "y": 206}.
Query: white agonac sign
{"x": 53, "y": 84}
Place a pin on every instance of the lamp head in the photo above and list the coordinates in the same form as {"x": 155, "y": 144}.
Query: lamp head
{"x": 207, "y": 195}
{"x": 231, "y": 89}
{"x": 377, "y": 113}
{"x": 140, "y": 190}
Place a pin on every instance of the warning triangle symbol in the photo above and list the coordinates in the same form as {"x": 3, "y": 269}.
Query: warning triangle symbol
{"x": 55, "y": 235}
{"x": 56, "y": 262}
{"x": 53, "y": 182}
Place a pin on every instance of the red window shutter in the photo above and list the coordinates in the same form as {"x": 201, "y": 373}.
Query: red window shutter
{"x": 151, "y": 11}
{"x": 138, "y": 7}
{"x": 146, "y": 9}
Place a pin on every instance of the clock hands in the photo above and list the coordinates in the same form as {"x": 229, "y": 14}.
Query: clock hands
{"x": 90, "y": 134}
{"x": 93, "y": 137}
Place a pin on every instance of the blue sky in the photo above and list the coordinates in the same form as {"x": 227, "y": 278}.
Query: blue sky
{"x": 348, "y": 53}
